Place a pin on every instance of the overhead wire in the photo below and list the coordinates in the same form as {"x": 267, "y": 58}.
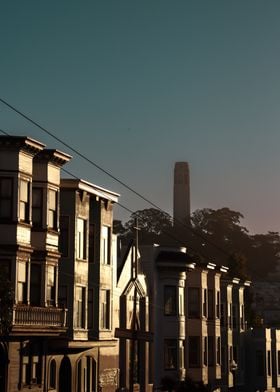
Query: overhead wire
{"x": 136, "y": 213}
{"x": 95, "y": 285}
{"x": 128, "y": 187}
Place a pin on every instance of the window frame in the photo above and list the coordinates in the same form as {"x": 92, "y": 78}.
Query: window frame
{"x": 37, "y": 205}
{"x": 170, "y": 354}
{"x": 194, "y": 351}
{"x": 80, "y": 320}
{"x": 105, "y": 309}
{"x": 105, "y": 248}
{"x": 194, "y": 307}
{"x": 170, "y": 294}
{"x": 24, "y": 201}
{"x": 52, "y": 210}
{"x": 81, "y": 239}
{"x": 6, "y": 198}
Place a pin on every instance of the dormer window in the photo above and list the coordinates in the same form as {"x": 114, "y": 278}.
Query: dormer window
{"x": 24, "y": 201}
{"x": 6, "y": 186}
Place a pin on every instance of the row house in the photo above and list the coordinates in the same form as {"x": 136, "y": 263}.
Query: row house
{"x": 166, "y": 270}
{"x": 79, "y": 323}
{"x": 262, "y": 357}
{"x": 203, "y": 324}
{"x": 198, "y": 315}
{"x": 87, "y": 282}
{"x": 29, "y": 258}
{"x": 233, "y": 327}
{"x": 135, "y": 338}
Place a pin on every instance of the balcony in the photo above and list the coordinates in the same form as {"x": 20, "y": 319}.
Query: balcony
{"x": 43, "y": 320}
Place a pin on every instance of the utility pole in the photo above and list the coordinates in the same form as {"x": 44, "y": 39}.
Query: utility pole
{"x": 134, "y": 339}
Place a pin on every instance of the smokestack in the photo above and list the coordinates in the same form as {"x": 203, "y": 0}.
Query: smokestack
{"x": 181, "y": 195}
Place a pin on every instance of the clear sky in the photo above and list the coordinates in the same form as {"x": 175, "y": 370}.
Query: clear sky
{"x": 138, "y": 85}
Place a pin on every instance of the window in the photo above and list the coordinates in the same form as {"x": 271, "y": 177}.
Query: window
{"x": 229, "y": 315}
{"x": 89, "y": 386}
{"x": 269, "y": 363}
{"x": 22, "y": 283}
{"x": 218, "y": 305}
{"x": 193, "y": 302}
{"x": 204, "y": 307}
{"x": 31, "y": 373}
{"x": 181, "y": 301}
{"x": 170, "y": 354}
{"x": 6, "y": 192}
{"x": 230, "y": 354}
{"x": 205, "y": 353}
{"x": 259, "y": 363}
{"x": 63, "y": 296}
{"x": 170, "y": 300}
{"x": 51, "y": 285}
{"x": 79, "y": 375}
{"x": 194, "y": 351}
{"x": 105, "y": 255}
{"x": 210, "y": 304}
{"x": 219, "y": 351}
{"x": 37, "y": 202}
{"x": 91, "y": 243}
{"x": 80, "y": 307}
{"x": 242, "y": 317}
{"x": 35, "y": 284}
{"x": 181, "y": 354}
{"x": 52, "y": 209}
{"x": 81, "y": 239}
{"x": 25, "y": 373}
{"x": 222, "y": 315}
{"x": 210, "y": 350}
{"x": 24, "y": 198}
{"x": 90, "y": 308}
{"x": 235, "y": 354}
{"x": 64, "y": 236}
{"x": 234, "y": 317}
{"x": 52, "y": 382}
{"x": 105, "y": 309}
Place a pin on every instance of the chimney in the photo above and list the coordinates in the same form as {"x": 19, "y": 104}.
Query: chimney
{"x": 181, "y": 195}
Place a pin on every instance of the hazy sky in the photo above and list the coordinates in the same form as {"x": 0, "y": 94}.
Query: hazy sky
{"x": 138, "y": 85}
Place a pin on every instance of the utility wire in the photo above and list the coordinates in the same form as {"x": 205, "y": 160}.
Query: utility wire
{"x": 83, "y": 156}
{"x": 165, "y": 232}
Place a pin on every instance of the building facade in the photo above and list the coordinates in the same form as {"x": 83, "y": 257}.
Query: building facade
{"x": 58, "y": 251}
{"x": 29, "y": 258}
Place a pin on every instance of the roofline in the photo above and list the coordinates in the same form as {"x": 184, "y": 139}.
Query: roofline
{"x": 53, "y": 155}
{"x": 22, "y": 142}
{"x": 69, "y": 183}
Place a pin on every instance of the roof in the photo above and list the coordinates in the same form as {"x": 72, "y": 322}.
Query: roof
{"x": 21, "y": 142}
{"x": 69, "y": 183}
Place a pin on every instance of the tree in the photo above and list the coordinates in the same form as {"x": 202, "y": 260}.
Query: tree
{"x": 214, "y": 235}
{"x": 219, "y": 233}
{"x": 263, "y": 254}
{"x": 238, "y": 266}
{"x": 153, "y": 225}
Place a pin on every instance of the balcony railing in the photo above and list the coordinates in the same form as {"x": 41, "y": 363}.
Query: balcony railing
{"x": 24, "y": 315}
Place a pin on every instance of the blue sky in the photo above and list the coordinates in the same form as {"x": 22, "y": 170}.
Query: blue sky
{"x": 139, "y": 85}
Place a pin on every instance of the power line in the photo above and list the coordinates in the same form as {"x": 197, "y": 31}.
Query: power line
{"x": 167, "y": 233}
{"x": 83, "y": 156}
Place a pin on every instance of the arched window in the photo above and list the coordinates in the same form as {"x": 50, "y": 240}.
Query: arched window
{"x": 52, "y": 374}
{"x": 79, "y": 376}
